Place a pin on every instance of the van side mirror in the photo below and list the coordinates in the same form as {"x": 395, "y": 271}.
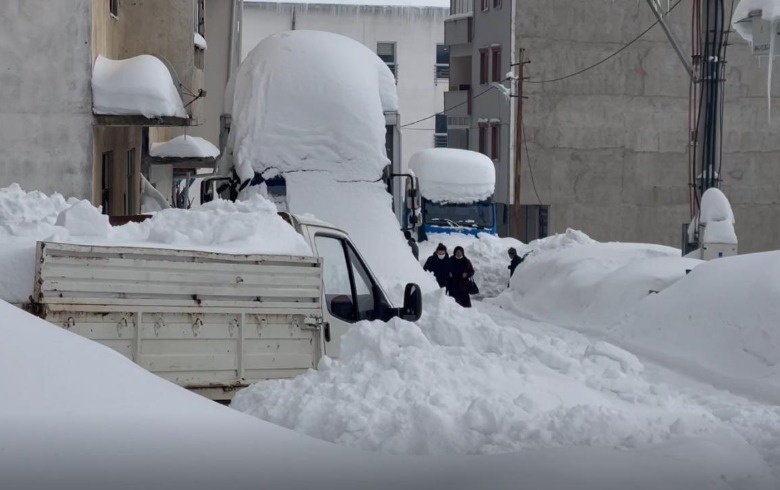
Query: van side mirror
{"x": 412, "y": 309}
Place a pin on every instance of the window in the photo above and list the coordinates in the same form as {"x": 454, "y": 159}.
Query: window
{"x": 533, "y": 222}
{"x": 496, "y": 64}
{"x": 484, "y": 60}
{"x": 470, "y": 29}
{"x": 349, "y": 290}
{"x": 482, "y": 143}
{"x": 335, "y": 278}
{"x": 386, "y": 51}
{"x": 496, "y": 4}
{"x": 442, "y": 61}
{"x": 130, "y": 191}
{"x": 113, "y": 8}
{"x": 105, "y": 181}
{"x": 495, "y": 141}
{"x": 485, "y": 5}
{"x": 440, "y": 133}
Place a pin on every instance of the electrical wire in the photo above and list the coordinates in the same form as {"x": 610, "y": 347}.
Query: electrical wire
{"x": 530, "y": 166}
{"x": 579, "y": 72}
{"x": 450, "y": 108}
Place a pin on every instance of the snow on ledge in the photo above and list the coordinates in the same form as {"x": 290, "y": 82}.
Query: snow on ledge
{"x": 184, "y": 147}
{"x": 200, "y": 42}
{"x": 141, "y": 85}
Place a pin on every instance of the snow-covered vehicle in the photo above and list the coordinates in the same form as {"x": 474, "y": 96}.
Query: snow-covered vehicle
{"x": 215, "y": 322}
{"x": 457, "y": 188}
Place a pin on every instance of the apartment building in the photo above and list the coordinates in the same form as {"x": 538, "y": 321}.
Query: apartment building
{"x": 52, "y": 138}
{"x": 479, "y": 105}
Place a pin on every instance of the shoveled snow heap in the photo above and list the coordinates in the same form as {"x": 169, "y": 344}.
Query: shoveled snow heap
{"x": 141, "y": 85}
{"x": 341, "y": 90}
{"x": 244, "y": 227}
{"x": 450, "y": 175}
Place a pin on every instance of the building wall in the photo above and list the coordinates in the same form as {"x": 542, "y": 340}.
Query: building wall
{"x": 218, "y": 29}
{"x": 415, "y": 32}
{"x": 608, "y": 148}
{"x": 45, "y": 96}
{"x": 493, "y": 27}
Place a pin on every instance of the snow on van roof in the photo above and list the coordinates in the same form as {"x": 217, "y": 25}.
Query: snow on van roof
{"x": 366, "y": 3}
{"x": 309, "y": 100}
{"x": 141, "y": 85}
{"x": 453, "y": 175}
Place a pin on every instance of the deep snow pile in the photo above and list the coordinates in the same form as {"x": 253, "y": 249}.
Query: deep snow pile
{"x": 336, "y": 122}
{"x": 716, "y": 320}
{"x": 450, "y": 175}
{"x": 487, "y": 253}
{"x": 244, "y": 227}
{"x": 83, "y": 416}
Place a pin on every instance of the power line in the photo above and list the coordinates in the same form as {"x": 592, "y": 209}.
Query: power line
{"x": 579, "y": 72}
{"x": 530, "y": 167}
{"x": 451, "y": 108}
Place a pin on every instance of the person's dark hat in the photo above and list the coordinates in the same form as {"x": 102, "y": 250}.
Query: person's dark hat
{"x": 512, "y": 251}
{"x": 459, "y": 248}
{"x": 441, "y": 247}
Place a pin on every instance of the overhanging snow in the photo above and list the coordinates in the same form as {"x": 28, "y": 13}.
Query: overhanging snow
{"x": 453, "y": 175}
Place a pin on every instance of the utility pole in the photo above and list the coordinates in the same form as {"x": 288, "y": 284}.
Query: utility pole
{"x": 518, "y": 141}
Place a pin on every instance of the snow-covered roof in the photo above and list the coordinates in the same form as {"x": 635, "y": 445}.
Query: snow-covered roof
{"x": 368, "y": 3}
{"x": 310, "y": 100}
{"x": 141, "y": 85}
{"x": 453, "y": 175}
{"x": 184, "y": 146}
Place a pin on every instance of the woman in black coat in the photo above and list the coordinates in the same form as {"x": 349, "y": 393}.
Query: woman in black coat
{"x": 461, "y": 272}
{"x": 439, "y": 264}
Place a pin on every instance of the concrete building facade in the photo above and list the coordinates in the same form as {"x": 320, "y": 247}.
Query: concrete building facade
{"x": 608, "y": 148}
{"x": 49, "y": 138}
{"x": 480, "y": 110}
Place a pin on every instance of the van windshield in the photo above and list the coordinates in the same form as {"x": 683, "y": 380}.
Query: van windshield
{"x": 472, "y": 215}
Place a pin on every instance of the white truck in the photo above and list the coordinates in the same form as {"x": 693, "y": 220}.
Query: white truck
{"x": 215, "y": 322}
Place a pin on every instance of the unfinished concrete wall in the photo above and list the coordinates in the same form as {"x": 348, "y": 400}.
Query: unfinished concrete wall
{"x": 45, "y": 96}
{"x": 608, "y": 148}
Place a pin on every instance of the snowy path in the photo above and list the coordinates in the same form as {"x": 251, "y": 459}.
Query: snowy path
{"x": 756, "y": 422}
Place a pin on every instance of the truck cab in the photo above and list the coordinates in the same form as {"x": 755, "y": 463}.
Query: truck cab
{"x": 467, "y": 218}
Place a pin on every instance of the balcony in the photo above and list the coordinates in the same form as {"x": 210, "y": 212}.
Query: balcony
{"x": 457, "y": 103}
{"x": 459, "y": 29}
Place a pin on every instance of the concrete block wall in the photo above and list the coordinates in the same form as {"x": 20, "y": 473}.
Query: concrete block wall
{"x": 608, "y": 148}
{"x": 45, "y": 96}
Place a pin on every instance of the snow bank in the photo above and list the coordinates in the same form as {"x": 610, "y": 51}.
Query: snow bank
{"x": 364, "y": 210}
{"x": 717, "y": 322}
{"x": 451, "y": 175}
{"x": 141, "y": 85}
{"x": 244, "y": 227}
{"x": 336, "y": 124}
{"x": 185, "y": 147}
{"x": 717, "y": 217}
{"x": 82, "y": 416}
{"x": 487, "y": 253}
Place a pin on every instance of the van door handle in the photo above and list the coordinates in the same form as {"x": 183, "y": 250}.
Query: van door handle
{"x": 326, "y": 331}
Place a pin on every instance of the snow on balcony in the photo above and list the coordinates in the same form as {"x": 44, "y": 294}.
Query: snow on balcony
{"x": 184, "y": 147}
{"x": 141, "y": 85}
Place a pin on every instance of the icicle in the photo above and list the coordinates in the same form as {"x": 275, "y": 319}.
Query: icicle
{"x": 772, "y": 37}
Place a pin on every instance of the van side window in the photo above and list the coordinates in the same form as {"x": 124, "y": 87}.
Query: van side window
{"x": 364, "y": 287}
{"x": 336, "y": 278}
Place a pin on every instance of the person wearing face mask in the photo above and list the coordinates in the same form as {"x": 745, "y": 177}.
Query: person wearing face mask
{"x": 439, "y": 264}
{"x": 460, "y": 273}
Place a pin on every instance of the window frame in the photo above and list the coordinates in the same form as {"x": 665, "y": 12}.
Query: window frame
{"x": 495, "y": 141}
{"x": 113, "y": 9}
{"x": 495, "y": 64}
{"x": 392, "y": 65}
{"x": 482, "y": 139}
{"x": 485, "y": 5}
{"x": 484, "y": 66}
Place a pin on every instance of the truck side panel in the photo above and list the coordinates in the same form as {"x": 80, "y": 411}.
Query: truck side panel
{"x": 198, "y": 319}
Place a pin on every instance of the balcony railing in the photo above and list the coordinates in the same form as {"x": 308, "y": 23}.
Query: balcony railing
{"x": 442, "y": 70}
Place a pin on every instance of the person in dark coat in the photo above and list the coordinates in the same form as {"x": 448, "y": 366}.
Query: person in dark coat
{"x": 439, "y": 264}
{"x": 462, "y": 271}
{"x": 412, "y": 244}
{"x": 515, "y": 260}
